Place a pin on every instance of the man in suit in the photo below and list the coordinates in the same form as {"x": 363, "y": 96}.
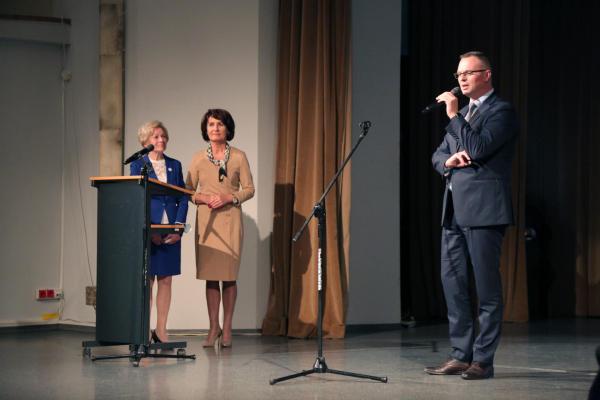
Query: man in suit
{"x": 475, "y": 160}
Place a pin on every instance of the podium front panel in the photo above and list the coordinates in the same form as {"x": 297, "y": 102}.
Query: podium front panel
{"x": 122, "y": 295}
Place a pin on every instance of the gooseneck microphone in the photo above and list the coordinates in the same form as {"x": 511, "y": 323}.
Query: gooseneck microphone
{"x": 139, "y": 154}
{"x": 455, "y": 91}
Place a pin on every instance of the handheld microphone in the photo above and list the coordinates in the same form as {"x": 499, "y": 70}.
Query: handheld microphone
{"x": 455, "y": 91}
{"x": 139, "y": 154}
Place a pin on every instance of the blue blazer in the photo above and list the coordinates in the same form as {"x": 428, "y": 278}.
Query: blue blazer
{"x": 176, "y": 207}
{"x": 165, "y": 259}
{"x": 481, "y": 192}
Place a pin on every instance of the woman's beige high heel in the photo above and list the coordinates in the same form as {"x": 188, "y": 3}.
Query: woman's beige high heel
{"x": 225, "y": 344}
{"x": 208, "y": 342}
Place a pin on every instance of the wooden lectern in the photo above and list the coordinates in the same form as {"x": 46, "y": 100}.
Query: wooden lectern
{"x": 124, "y": 241}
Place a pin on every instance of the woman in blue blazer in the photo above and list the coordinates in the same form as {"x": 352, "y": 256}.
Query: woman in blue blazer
{"x": 165, "y": 260}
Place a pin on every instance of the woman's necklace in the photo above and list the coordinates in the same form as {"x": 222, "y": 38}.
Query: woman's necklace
{"x": 222, "y": 164}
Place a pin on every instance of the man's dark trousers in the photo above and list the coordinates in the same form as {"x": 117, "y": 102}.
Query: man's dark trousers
{"x": 482, "y": 246}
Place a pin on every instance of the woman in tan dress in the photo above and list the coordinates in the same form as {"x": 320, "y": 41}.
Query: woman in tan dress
{"x": 220, "y": 175}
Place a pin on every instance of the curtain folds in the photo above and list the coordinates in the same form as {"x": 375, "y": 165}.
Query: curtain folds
{"x": 512, "y": 56}
{"x": 313, "y": 137}
{"x": 587, "y": 123}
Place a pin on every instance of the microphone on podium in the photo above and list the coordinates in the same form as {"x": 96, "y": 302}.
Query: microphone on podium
{"x": 139, "y": 154}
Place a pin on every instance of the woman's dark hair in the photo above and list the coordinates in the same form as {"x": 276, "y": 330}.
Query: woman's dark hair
{"x": 224, "y": 117}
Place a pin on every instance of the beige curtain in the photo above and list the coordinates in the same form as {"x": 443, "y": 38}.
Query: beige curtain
{"x": 587, "y": 273}
{"x": 586, "y": 121}
{"x": 513, "y": 262}
{"x": 513, "y": 259}
{"x": 314, "y": 136}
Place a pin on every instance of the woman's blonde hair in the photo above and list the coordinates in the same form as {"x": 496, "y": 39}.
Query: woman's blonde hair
{"x": 147, "y": 129}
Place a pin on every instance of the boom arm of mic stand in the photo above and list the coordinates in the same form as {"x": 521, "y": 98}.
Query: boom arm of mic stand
{"x": 365, "y": 129}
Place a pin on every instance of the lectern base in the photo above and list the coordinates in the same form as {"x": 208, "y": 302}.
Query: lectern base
{"x": 137, "y": 352}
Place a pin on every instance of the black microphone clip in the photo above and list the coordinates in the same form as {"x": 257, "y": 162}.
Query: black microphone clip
{"x": 364, "y": 127}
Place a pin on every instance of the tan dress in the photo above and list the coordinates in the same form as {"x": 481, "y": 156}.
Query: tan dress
{"x": 219, "y": 232}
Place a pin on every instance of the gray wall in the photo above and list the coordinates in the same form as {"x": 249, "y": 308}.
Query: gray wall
{"x": 50, "y": 134}
{"x": 175, "y": 70}
{"x": 32, "y": 156}
{"x": 180, "y": 61}
{"x": 375, "y": 215}
{"x": 81, "y": 159}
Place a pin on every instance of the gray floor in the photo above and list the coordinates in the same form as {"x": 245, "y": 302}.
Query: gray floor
{"x": 538, "y": 360}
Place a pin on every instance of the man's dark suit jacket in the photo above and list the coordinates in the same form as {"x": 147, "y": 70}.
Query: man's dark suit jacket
{"x": 481, "y": 192}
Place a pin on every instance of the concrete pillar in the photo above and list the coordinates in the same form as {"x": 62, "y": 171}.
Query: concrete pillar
{"x": 111, "y": 87}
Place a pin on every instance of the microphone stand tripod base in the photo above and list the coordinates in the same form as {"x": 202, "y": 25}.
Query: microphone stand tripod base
{"x": 320, "y": 367}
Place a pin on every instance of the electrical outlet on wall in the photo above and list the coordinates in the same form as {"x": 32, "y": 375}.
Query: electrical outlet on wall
{"x": 90, "y": 295}
{"x": 49, "y": 294}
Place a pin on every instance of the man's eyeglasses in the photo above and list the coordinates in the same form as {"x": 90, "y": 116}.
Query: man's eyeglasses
{"x": 457, "y": 75}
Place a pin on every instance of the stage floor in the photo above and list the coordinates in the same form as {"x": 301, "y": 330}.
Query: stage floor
{"x": 538, "y": 360}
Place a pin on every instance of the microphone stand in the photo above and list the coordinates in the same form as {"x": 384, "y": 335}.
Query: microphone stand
{"x": 320, "y": 366}
{"x": 146, "y": 169}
